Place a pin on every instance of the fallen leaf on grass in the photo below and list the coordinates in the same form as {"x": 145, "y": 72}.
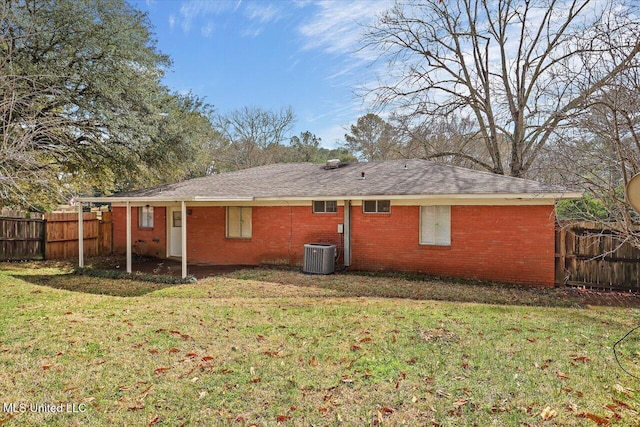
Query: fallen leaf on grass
{"x": 355, "y": 347}
{"x": 174, "y": 350}
{"x": 207, "y": 358}
{"x": 282, "y": 418}
{"x": 595, "y": 418}
{"x": 576, "y": 358}
{"x": 313, "y": 361}
{"x": 145, "y": 392}
{"x": 442, "y": 393}
{"x": 561, "y": 375}
{"x": 612, "y": 407}
{"x": 621, "y": 403}
{"x": 154, "y": 421}
{"x": 460, "y": 402}
{"x": 160, "y": 370}
{"x": 366, "y": 339}
{"x": 136, "y": 407}
{"x": 623, "y": 390}
{"x": 256, "y": 380}
{"x": 46, "y": 367}
{"x": 576, "y": 392}
{"x": 548, "y": 413}
{"x": 192, "y": 355}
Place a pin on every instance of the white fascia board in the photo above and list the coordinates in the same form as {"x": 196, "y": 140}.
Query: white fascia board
{"x": 123, "y": 200}
{"x": 222, "y": 199}
{"x": 159, "y": 200}
{"x": 487, "y": 196}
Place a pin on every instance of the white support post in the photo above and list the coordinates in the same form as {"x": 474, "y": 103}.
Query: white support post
{"x": 129, "y": 237}
{"x": 80, "y": 237}
{"x": 184, "y": 239}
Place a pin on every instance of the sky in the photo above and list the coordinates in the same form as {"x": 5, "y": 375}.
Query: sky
{"x": 271, "y": 54}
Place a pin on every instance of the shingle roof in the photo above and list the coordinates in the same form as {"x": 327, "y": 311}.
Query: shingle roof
{"x": 305, "y": 180}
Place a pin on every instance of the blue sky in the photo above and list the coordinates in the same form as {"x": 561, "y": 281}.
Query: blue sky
{"x": 270, "y": 54}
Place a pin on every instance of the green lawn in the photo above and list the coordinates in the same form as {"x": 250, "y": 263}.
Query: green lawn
{"x": 268, "y": 347}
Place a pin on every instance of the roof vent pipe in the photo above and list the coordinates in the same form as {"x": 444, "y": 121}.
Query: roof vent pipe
{"x": 333, "y": 163}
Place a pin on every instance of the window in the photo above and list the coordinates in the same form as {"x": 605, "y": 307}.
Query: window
{"x": 145, "y": 217}
{"x": 239, "y": 222}
{"x": 435, "y": 225}
{"x": 177, "y": 219}
{"x": 328, "y": 206}
{"x": 376, "y": 206}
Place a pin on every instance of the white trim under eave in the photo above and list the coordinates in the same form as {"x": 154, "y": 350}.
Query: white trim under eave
{"x": 143, "y": 201}
{"x": 489, "y": 197}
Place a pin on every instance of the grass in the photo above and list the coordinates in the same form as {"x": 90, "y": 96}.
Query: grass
{"x": 268, "y": 347}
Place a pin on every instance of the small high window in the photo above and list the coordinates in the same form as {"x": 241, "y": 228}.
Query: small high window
{"x": 376, "y": 206}
{"x": 325, "y": 206}
{"x": 145, "y": 217}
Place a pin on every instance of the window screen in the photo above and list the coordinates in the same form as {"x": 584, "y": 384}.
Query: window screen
{"x": 377, "y": 206}
{"x": 325, "y": 206}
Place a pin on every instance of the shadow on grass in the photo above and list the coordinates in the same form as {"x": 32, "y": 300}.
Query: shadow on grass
{"x": 94, "y": 285}
{"x": 424, "y": 287}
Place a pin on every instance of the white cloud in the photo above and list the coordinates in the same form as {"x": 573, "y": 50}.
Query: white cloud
{"x": 207, "y": 29}
{"x": 337, "y": 26}
{"x": 191, "y": 11}
{"x": 172, "y": 21}
{"x": 262, "y": 12}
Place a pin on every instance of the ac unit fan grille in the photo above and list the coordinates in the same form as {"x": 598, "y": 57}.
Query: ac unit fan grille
{"x": 319, "y": 258}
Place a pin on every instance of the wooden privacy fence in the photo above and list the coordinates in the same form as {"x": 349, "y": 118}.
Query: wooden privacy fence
{"x": 21, "y": 238}
{"x": 55, "y": 236}
{"x": 588, "y": 255}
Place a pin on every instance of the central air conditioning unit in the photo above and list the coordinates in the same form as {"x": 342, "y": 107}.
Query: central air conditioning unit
{"x": 319, "y": 258}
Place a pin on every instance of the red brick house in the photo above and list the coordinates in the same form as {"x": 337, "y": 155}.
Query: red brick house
{"x": 405, "y": 215}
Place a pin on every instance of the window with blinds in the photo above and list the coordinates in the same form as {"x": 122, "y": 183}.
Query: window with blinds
{"x": 435, "y": 225}
{"x": 239, "y": 222}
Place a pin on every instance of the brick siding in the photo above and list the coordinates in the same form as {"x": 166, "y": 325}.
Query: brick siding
{"x": 501, "y": 243}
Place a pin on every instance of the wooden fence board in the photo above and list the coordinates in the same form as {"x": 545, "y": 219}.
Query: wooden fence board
{"x": 55, "y": 237}
{"x": 21, "y": 239}
{"x": 588, "y": 255}
{"x": 62, "y": 235}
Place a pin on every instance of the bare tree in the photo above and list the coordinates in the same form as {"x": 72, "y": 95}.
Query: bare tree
{"x": 451, "y": 140}
{"x": 250, "y": 137}
{"x": 600, "y": 153}
{"x": 519, "y": 69}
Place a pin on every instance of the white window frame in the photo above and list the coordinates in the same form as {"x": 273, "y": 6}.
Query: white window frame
{"x": 435, "y": 225}
{"x": 243, "y": 229}
{"x": 145, "y": 217}
{"x": 325, "y": 204}
{"x": 377, "y": 210}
